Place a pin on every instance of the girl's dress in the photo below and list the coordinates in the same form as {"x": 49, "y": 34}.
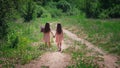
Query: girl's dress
{"x": 46, "y": 37}
{"x": 59, "y": 37}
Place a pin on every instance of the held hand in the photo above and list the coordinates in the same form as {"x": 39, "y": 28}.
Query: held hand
{"x": 53, "y": 36}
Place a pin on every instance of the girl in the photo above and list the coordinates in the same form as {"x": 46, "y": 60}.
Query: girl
{"x": 59, "y": 36}
{"x": 46, "y": 32}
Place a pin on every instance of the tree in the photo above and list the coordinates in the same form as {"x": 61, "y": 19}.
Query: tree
{"x": 7, "y": 11}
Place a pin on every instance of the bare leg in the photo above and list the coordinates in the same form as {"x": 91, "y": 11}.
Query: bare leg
{"x": 60, "y": 46}
{"x": 45, "y": 43}
{"x": 48, "y": 44}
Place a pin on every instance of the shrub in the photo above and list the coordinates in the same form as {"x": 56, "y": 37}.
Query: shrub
{"x": 64, "y": 5}
{"x": 39, "y": 11}
{"x": 29, "y": 11}
{"x": 3, "y": 29}
{"x": 15, "y": 43}
{"x": 104, "y": 14}
{"x": 54, "y": 12}
{"x": 45, "y": 13}
{"x": 73, "y": 11}
{"x": 6, "y": 15}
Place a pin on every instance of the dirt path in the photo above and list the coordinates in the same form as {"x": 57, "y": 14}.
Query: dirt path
{"x": 50, "y": 59}
{"x": 109, "y": 60}
{"x": 61, "y": 60}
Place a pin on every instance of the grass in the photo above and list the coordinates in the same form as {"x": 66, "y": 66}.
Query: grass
{"x": 79, "y": 54}
{"x": 102, "y": 33}
{"x": 80, "y": 60}
{"x": 19, "y": 48}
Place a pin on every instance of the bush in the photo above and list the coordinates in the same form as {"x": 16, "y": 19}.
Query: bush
{"x": 115, "y": 11}
{"x": 29, "y": 12}
{"x": 73, "y": 11}
{"x": 3, "y": 29}
{"x": 14, "y": 43}
{"x": 45, "y": 13}
{"x": 6, "y": 15}
{"x": 64, "y": 5}
{"x": 104, "y": 14}
{"x": 54, "y": 12}
{"x": 39, "y": 11}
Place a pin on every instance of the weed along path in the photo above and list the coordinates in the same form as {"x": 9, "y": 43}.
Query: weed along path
{"x": 109, "y": 61}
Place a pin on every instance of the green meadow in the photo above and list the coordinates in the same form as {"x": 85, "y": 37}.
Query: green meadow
{"x": 96, "y": 21}
{"x": 102, "y": 33}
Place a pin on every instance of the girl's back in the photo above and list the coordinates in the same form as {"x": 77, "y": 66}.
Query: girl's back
{"x": 59, "y": 33}
{"x": 47, "y": 33}
{"x": 47, "y": 37}
{"x": 59, "y": 37}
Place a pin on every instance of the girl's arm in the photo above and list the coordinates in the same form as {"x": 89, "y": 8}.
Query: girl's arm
{"x": 52, "y": 34}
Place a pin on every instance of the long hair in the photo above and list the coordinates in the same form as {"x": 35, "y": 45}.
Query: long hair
{"x": 59, "y": 28}
{"x": 47, "y": 28}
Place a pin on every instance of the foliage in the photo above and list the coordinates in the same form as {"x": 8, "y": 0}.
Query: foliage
{"x": 15, "y": 43}
{"x": 11, "y": 10}
{"x": 55, "y": 13}
{"x": 29, "y": 11}
{"x": 52, "y": 10}
{"x": 39, "y": 10}
{"x": 6, "y": 15}
{"x": 98, "y": 8}
{"x": 19, "y": 45}
{"x": 64, "y": 5}
{"x": 42, "y": 2}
